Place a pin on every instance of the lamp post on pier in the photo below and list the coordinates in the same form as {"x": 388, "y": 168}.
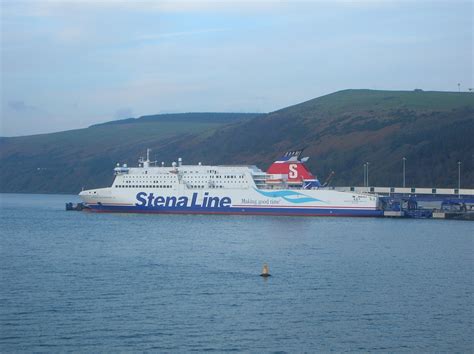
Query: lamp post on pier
{"x": 404, "y": 159}
{"x": 367, "y": 174}
{"x": 459, "y": 179}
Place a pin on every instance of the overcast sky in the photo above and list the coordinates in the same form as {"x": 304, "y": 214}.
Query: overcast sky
{"x": 70, "y": 64}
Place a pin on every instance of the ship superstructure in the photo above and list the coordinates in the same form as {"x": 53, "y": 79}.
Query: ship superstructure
{"x": 287, "y": 188}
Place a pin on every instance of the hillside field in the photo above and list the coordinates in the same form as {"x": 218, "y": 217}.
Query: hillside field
{"x": 340, "y": 132}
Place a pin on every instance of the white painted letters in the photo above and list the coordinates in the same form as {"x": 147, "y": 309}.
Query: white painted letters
{"x": 293, "y": 171}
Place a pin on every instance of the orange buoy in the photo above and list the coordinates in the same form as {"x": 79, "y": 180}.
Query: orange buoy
{"x": 265, "y": 271}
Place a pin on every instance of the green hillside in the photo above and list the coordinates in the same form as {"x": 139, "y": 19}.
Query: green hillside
{"x": 201, "y": 117}
{"x": 340, "y": 131}
{"x": 369, "y": 100}
{"x": 65, "y": 162}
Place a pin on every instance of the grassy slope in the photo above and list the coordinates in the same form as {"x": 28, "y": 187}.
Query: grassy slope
{"x": 66, "y": 161}
{"x": 341, "y": 131}
{"x": 344, "y": 129}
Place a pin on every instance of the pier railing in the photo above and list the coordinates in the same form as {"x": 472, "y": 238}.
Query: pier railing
{"x": 409, "y": 191}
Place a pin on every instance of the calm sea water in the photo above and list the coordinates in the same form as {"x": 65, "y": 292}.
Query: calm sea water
{"x": 105, "y": 282}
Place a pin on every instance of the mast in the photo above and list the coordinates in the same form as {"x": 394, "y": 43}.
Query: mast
{"x": 145, "y": 163}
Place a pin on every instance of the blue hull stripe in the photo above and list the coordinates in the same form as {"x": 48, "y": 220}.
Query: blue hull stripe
{"x": 233, "y": 210}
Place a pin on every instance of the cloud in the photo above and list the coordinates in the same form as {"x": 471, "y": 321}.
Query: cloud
{"x": 73, "y": 8}
{"x": 51, "y": 8}
{"x": 21, "y": 106}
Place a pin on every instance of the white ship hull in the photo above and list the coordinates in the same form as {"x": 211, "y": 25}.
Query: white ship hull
{"x": 251, "y": 201}
{"x": 197, "y": 189}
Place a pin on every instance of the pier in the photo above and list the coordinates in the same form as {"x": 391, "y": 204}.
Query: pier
{"x": 422, "y": 203}
{"x": 414, "y": 191}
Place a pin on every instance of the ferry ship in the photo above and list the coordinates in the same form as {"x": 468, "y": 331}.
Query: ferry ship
{"x": 286, "y": 188}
